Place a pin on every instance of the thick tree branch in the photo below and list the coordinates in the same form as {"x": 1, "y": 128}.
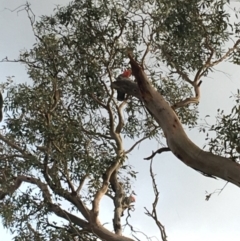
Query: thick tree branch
{"x": 119, "y": 194}
{"x": 68, "y": 216}
{"x": 118, "y": 202}
{"x": 96, "y": 228}
{"x": 101, "y": 192}
{"x": 179, "y": 143}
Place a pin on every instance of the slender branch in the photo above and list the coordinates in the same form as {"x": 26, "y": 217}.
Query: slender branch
{"x": 98, "y": 101}
{"x": 230, "y": 50}
{"x": 120, "y": 124}
{"x": 14, "y": 146}
{"x": 18, "y": 181}
{"x": 93, "y": 133}
{"x": 153, "y": 214}
{"x": 6, "y": 157}
{"x": 55, "y": 145}
{"x": 159, "y": 151}
{"x": 81, "y": 183}
{"x": 70, "y": 185}
{"x": 36, "y": 234}
{"x": 210, "y": 64}
{"x": 135, "y": 144}
{"x": 203, "y": 69}
{"x": 148, "y": 44}
{"x": 191, "y": 100}
{"x": 114, "y": 135}
{"x": 56, "y": 96}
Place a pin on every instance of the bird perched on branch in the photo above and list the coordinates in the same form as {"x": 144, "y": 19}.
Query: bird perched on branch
{"x": 126, "y": 202}
{"x": 126, "y": 74}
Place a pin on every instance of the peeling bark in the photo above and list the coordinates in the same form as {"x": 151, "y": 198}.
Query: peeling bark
{"x": 178, "y": 142}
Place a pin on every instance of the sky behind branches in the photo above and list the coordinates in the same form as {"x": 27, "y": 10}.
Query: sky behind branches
{"x": 182, "y": 208}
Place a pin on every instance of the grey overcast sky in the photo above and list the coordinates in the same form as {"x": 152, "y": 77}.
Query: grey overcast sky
{"x": 182, "y": 207}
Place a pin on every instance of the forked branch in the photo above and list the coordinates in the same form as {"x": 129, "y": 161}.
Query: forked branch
{"x": 153, "y": 214}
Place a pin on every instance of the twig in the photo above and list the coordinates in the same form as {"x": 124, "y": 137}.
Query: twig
{"x": 135, "y": 144}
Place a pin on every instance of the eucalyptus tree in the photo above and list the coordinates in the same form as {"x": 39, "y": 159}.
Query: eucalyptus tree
{"x": 64, "y": 131}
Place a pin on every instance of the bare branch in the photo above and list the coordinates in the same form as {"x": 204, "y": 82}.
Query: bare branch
{"x": 98, "y": 101}
{"x": 93, "y": 133}
{"x": 81, "y": 183}
{"x": 116, "y": 136}
{"x": 159, "y": 151}
{"x": 203, "y": 69}
{"x": 191, "y": 100}
{"x": 120, "y": 124}
{"x": 153, "y": 214}
{"x": 37, "y": 235}
{"x": 148, "y": 44}
{"x": 135, "y": 144}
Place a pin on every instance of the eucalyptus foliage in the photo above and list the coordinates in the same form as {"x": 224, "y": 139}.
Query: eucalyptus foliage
{"x": 59, "y": 113}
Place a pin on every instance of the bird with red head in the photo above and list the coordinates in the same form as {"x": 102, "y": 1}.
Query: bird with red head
{"x": 126, "y": 74}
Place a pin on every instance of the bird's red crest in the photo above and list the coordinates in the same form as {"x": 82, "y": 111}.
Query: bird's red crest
{"x": 127, "y": 73}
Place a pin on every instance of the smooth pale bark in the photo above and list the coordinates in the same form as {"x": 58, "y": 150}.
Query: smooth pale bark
{"x": 104, "y": 234}
{"x": 178, "y": 142}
